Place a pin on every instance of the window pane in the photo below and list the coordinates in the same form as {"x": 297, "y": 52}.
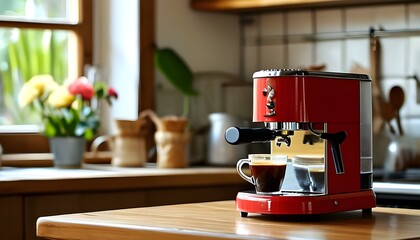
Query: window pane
{"x": 64, "y": 11}
{"x": 25, "y": 53}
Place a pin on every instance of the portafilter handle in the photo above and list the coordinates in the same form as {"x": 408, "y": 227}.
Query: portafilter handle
{"x": 235, "y": 135}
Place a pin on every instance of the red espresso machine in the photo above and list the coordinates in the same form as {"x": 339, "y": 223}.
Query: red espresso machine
{"x": 307, "y": 113}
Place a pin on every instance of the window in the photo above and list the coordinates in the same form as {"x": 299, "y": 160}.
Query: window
{"x": 38, "y": 37}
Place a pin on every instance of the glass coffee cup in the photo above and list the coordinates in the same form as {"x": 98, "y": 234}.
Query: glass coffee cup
{"x": 310, "y": 172}
{"x": 267, "y": 172}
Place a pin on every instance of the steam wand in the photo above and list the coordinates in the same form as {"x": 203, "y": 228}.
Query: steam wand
{"x": 336, "y": 139}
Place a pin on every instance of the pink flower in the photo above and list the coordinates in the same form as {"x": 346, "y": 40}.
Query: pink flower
{"x": 83, "y": 87}
{"x": 112, "y": 92}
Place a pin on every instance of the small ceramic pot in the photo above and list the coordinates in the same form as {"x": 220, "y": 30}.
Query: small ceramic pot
{"x": 68, "y": 151}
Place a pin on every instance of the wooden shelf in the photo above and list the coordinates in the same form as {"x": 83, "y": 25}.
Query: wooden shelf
{"x": 264, "y": 5}
{"x": 104, "y": 177}
{"x": 46, "y": 159}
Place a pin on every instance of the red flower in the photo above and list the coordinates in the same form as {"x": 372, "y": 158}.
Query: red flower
{"x": 83, "y": 87}
{"x": 112, "y": 92}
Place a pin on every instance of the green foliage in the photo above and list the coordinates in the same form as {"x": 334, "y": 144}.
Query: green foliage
{"x": 83, "y": 122}
{"x": 174, "y": 68}
{"x": 25, "y": 53}
{"x": 177, "y": 72}
{"x": 100, "y": 89}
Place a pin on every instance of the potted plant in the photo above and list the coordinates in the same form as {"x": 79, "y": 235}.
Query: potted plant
{"x": 172, "y": 136}
{"x": 68, "y": 113}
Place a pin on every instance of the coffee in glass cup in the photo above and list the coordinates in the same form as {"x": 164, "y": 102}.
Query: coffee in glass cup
{"x": 267, "y": 172}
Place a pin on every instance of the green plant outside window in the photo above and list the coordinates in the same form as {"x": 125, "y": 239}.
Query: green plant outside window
{"x": 25, "y": 53}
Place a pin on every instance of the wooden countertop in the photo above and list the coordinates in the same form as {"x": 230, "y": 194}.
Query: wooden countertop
{"x": 100, "y": 177}
{"x": 220, "y": 220}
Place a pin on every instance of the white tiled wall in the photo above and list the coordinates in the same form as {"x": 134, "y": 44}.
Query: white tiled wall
{"x": 208, "y": 42}
{"x": 273, "y": 24}
{"x": 330, "y": 53}
{"x": 324, "y": 23}
{"x": 266, "y": 47}
{"x": 299, "y": 22}
{"x": 414, "y": 16}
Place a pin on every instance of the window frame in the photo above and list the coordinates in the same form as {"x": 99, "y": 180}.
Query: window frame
{"x": 83, "y": 30}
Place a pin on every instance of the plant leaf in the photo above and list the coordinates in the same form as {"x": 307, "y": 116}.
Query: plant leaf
{"x": 175, "y": 70}
{"x": 100, "y": 89}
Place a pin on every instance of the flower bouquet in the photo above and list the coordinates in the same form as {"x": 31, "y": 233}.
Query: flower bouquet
{"x": 69, "y": 111}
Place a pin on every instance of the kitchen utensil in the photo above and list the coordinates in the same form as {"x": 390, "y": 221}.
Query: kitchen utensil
{"x": 172, "y": 139}
{"x": 313, "y": 113}
{"x": 167, "y": 123}
{"x": 382, "y": 110}
{"x": 401, "y": 154}
{"x": 128, "y": 145}
{"x": 396, "y": 98}
{"x": 387, "y": 113}
{"x": 208, "y": 84}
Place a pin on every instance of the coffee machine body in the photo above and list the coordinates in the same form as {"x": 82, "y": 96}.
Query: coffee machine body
{"x": 310, "y": 115}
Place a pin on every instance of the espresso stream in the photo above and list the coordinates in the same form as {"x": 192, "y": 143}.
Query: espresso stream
{"x": 268, "y": 178}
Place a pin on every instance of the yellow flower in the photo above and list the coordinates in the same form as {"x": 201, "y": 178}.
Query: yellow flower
{"x": 61, "y": 98}
{"x": 43, "y": 83}
{"x": 35, "y": 88}
{"x": 27, "y": 95}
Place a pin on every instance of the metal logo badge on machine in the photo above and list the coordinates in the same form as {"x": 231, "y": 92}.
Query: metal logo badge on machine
{"x": 269, "y": 93}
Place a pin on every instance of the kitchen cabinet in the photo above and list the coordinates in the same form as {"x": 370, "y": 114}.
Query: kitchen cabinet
{"x": 29, "y": 193}
{"x": 264, "y": 5}
{"x": 11, "y": 217}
